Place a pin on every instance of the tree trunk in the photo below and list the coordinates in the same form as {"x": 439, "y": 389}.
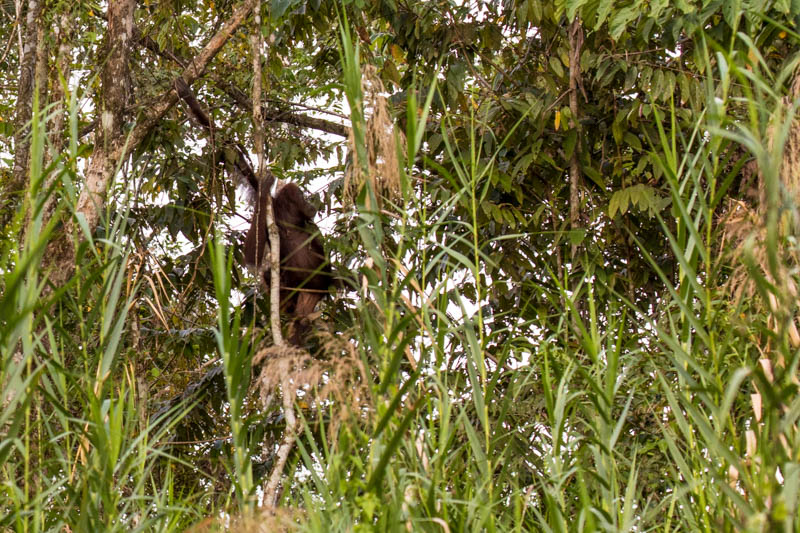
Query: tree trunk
{"x": 274, "y": 248}
{"x": 42, "y": 62}
{"x": 113, "y": 100}
{"x": 113, "y": 144}
{"x": 101, "y": 168}
{"x": 58, "y": 97}
{"x": 575, "y": 44}
{"x": 62, "y": 69}
{"x": 22, "y": 114}
{"x": 108, "y": 138}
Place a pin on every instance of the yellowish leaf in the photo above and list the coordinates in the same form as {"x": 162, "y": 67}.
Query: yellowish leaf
{"x": 558, "y": 119}
{"x": 397, "y": 54}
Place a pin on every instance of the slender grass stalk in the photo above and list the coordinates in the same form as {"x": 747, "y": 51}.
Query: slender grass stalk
{"x": 236, "y": 355}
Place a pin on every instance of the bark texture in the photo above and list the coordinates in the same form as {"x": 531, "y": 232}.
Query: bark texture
{"x": 62, "y": 70}
{"x": 274, "y": 248}
{"x": 58, "y": 96}
{"x": 114, "y": 97}
{"x": 29, "y": 32}
{"x": 575, "y": 44}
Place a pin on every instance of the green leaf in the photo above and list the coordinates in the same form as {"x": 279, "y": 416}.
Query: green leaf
{"x": 555, "y": 65}
{"x": 630, "y": 78}
{"x": 633, "y": 141}
{"x": 602, "y": 12}
{"x": 657, "y": 86}
{"x": 731, "y": 11}
{"x": 569, "y": 143}
{"x": 390, "y": 72}
{"x": 686, "y": 92}
{"x": 656, "y": 7}
{"x": 640, "y": 166}
{"x": 279, "y": 7}
{"x": 621, "y": 20}
{"x": 616, "y": 128}
{"x": 572, "y": 8}
{"x": 456, "y": 75}
{"x": 522, "y": 164}
{"x": 644, "y": 197}
{"x": 594, "y": 175}
{"x": 613, "y": 205}
{"x": 576, "y": 236}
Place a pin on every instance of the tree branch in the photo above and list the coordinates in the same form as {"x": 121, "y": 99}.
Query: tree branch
{"x": 194, "y": 70}
{"x": 274, "y": 248}
{"x": 24, "y": 104}
{"x": 289, "y": 436}
{"x": 284, "y": 116}
{"x": 575, "y": 43}
{"x": 105, "y": 160}
{"x": 238, "y": 96}
{"x": 241, "y": 162}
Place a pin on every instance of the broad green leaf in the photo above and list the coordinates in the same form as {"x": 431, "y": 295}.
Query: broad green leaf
{"x": 556, "y": 66}
{"x": 279, "y": 7}
{"x": 633, "y": 141}
{"x": 620, "y": 21}
{"x": 572, "y": 7}
{"x": 570, "y": 141}
{"x": 603, "y": 11}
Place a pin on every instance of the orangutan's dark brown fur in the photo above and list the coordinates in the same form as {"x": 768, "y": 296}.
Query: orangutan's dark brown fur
{"x": 305, "y": 273}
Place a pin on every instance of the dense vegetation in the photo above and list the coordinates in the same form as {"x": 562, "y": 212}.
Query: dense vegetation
{"x": 565, "y": 236}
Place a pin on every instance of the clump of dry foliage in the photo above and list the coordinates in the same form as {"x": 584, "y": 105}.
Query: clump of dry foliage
{"x": 381, "y": 142}
{"x": 338, "y": 380}
{"x": 746, "y": 229}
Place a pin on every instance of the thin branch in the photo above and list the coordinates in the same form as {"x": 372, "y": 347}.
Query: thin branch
{"x": 243, "y": 100}
{"x": 150, "y": 44}
{"x": 11, "y": 36}
{"x": 307, "y": 122}
{"x": 287, "y": 117}
{"x": 309, "y": 108}
{"x": 274, "y": 248}
{"x": 193, "y": 70}
{"x": 575, "y": 42}
{"x": 289, "y": 436}
{"x": 241, "y": 163}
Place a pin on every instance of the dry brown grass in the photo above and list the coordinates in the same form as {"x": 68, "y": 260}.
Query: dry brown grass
{"x": 337, "y": 382}
{"x": 278, "y": 520}
{"x": 381, "y": 139}
{"x": 745, "y": 233}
